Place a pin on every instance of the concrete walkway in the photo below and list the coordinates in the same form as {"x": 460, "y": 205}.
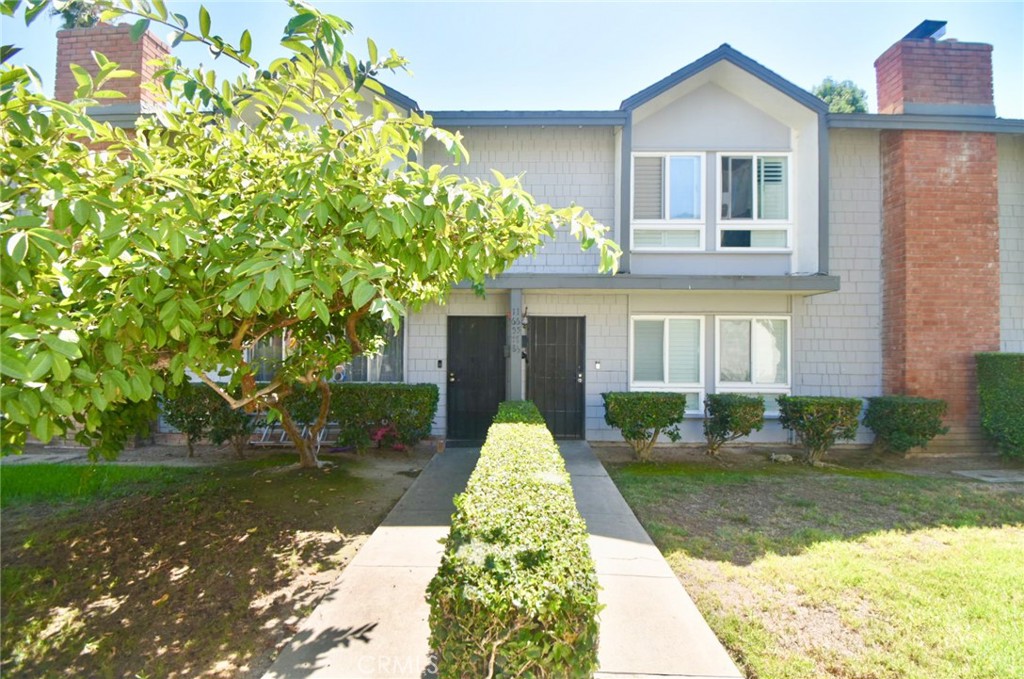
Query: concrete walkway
{"x": 374, "y": 623}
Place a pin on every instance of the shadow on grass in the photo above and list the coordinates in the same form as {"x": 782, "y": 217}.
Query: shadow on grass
{"x": 206, "y": 572}
{"x": 721, "y": 514}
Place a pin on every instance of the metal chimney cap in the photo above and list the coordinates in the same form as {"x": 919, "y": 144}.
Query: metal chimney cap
{"x": 927, "y": 29}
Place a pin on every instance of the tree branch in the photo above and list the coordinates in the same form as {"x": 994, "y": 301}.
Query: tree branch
{"x": 237, "y": 403}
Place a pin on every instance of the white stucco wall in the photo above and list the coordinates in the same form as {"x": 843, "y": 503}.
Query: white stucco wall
{"x": 1011, "y": 242}
{"x": 560, "y": 165}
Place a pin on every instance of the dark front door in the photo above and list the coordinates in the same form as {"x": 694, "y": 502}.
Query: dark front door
{"x": 555, "y": 371}
{"x": 476, "y": 374}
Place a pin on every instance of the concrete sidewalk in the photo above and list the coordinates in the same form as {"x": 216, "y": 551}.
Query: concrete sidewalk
{"x": 649, "y": 626}
{"x": 374, "y": 623}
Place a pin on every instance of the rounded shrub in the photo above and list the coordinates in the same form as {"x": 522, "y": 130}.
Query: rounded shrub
{"x": 819, "y": 421}
{"x": 904, "y": 422}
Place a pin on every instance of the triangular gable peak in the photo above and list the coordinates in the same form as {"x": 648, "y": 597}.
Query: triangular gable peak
{"x": 739, "y": 76}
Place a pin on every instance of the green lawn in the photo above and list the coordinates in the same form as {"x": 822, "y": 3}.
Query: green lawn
{"x": 805, "y": 573}
{"x": 22, "y": 484}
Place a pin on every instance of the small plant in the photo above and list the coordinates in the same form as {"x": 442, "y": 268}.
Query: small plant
{"x": 188, "y": 409}
{"x": 643, "y": 416}
{"x": 728, "y": 417}
{"x": 230, "y": 425}
{"x": 904, "y": 422}
{"x": 1001, "y": 393}
{"x": 819, "y": 421}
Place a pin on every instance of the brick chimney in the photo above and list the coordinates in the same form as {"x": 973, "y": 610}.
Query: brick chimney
{"x": 921, "y": 74}
{"x": 940, "y": 229}
{"x": 75, "y": 46}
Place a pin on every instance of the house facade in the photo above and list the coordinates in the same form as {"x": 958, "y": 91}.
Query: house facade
{"x": 769, "y": 247}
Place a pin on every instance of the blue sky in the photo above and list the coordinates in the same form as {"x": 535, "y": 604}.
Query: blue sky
{"x": 591, "y": 55}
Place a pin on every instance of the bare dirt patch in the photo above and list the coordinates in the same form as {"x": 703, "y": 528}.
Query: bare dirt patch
{"x": 205, "y": 579}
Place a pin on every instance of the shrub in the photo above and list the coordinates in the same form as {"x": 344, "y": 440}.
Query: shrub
{"x": 642, "y": 416}
{"x": 386, "y": 414}
{"x": 1001, "y": 393}
{"x": 516, "y": 592}
{"x": 230, "y": 425}
{"x": 904, "y": 422}
{"x": 819, "y": 421}
{"x": 728, "y": 417}
{"x": 518, "y": 412}
{"x": 188, "y": 409}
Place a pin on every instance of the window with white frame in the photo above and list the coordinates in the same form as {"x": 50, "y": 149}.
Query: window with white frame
{"x": 385, "y": 366}
{"x": 753, "y": 356}
{"x": 667, "y": 355}
{"x": 754, "y": 194}
{"x": 668, "y": 201}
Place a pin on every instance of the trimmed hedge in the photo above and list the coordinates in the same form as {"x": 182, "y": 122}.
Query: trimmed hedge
{"x": 1001, "y": 394}
{"x": 728, "y": 417}
{"x": 904, "y": 422}
{"x": 518, "y": 412}
{"x": 385, "y": 414}
{"x": 516, "y": 592}
{"x": 644, "y": 415}
{"x": 819, "y": 421}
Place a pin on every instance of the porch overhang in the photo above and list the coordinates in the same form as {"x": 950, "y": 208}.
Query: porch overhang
{"x": 802, "y": 286}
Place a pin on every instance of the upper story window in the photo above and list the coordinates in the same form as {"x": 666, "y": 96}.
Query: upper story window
{"x": 668, "y": 201}
{"x": 754, "y": 194}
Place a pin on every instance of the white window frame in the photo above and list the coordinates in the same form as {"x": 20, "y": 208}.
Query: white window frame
{"x": 755, "y": 224}
{"x": 752, "y": 387}
{"x": 698, "y": 225}
{"x": 666, "y": 386}
{"x": 405, "y": 362}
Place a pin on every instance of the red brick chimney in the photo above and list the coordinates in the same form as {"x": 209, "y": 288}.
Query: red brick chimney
{"x": 940, "y": 229}
{"x": 75, "y": 46}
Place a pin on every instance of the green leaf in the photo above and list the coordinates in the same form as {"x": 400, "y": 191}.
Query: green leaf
{"x": 204, "y": 21}
{"x": 61, "y": 347}
{"x": 178, "y": 243}
{"x": 112, "y": 352}
{"x": 39, "y": 365}
{"x": 17, "y": 246}
{"x": 363, "y": 293}
{"x": 61, "y": 368}
{"x": 138, "y": 29}
{"x": 245, "y": 43}
{"x": 322, "y": 312}
{"x": 82, "y": 76}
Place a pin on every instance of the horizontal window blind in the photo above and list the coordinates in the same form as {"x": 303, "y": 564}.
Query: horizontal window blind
{"x": 648, "y": 187}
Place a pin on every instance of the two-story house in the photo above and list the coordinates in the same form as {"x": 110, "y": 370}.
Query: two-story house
{"x": 769, "y": 247}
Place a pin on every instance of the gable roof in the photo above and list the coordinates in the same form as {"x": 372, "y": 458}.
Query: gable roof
{"x": 725, "y": 53}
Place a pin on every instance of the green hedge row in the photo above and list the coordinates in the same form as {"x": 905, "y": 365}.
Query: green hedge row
{"x": 516, "y": 593}
{"x": 385, "y": 414}
{"x": 1001, "y": 392}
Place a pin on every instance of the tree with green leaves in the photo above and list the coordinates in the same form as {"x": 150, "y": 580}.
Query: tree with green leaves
{"x": 842, "y": 97}
{"x": 284, "y": 201}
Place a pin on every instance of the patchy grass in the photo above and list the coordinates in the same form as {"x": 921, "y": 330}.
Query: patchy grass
{"x": 202, "y": 573}
{"x": 22, "y": 484}
{"x": 808, "y": 573}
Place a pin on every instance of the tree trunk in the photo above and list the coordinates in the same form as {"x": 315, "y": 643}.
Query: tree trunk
{"x": 307, "y": 453}
{"x": 240, "y": 443}
{"x": 191, "y": 448}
